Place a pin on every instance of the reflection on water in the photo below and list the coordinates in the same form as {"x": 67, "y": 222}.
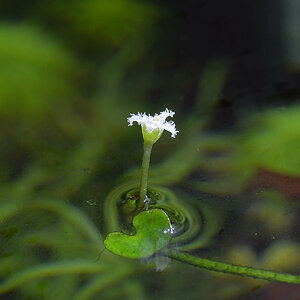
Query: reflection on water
{"x": 230, "y": 179}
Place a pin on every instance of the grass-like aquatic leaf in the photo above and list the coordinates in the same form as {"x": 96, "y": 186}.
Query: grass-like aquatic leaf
{"x": 69, "y": 212}
{"x": 74, "y": 215}
{"x": 99, "y": 283}
{"x": 50, "y": 269}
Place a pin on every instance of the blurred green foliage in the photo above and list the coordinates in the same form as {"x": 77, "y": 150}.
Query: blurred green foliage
{"x": 36, "y": 72}
{"x": 112, "y": 22}
{"x": 268, "y": 140}
{"x": 65, "y": 145}
{"x": 272, "y": 141}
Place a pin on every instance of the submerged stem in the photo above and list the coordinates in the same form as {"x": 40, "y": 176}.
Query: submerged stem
{"x": 144, "y": 175}
{"x": 229, "y": 268}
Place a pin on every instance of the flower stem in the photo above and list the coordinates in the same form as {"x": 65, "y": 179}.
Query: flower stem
{"x": 144, "y": 175}
{"x": 229, "y": 268}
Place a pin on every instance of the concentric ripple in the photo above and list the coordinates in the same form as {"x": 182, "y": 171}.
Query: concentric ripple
{"x": 193, "y": 223}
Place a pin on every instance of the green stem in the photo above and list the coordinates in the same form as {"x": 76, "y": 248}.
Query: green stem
{"x": 229, "y": 268}
{"x": 144, "y": 175}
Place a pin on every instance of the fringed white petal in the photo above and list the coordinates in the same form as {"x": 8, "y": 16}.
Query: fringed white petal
{"x": 156, "y": 122}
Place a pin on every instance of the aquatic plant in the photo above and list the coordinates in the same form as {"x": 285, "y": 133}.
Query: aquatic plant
{"x": 153, "y": 226}
{"x": 152, "y": 129}
{"x": 65, "y": 149}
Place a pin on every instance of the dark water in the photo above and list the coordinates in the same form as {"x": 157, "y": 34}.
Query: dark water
{"x": 72, "y": 72}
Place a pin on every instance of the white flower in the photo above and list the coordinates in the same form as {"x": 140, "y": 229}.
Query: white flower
{"x": 156, "y": 123}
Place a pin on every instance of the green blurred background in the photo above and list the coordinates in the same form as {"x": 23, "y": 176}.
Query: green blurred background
{"x": 72, "y": 71}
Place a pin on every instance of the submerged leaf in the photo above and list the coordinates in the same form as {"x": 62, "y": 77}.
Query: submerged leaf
{"x": 50, "y": 269}
{"x": 153, "y": 232}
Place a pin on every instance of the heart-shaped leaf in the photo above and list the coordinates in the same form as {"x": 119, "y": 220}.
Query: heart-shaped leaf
{"x": 153, "y": 232}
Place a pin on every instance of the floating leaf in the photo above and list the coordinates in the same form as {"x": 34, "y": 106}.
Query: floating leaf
{"x": 153, "y": 232}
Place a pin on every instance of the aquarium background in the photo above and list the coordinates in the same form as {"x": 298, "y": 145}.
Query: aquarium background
{"x": 72, "y": 71}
